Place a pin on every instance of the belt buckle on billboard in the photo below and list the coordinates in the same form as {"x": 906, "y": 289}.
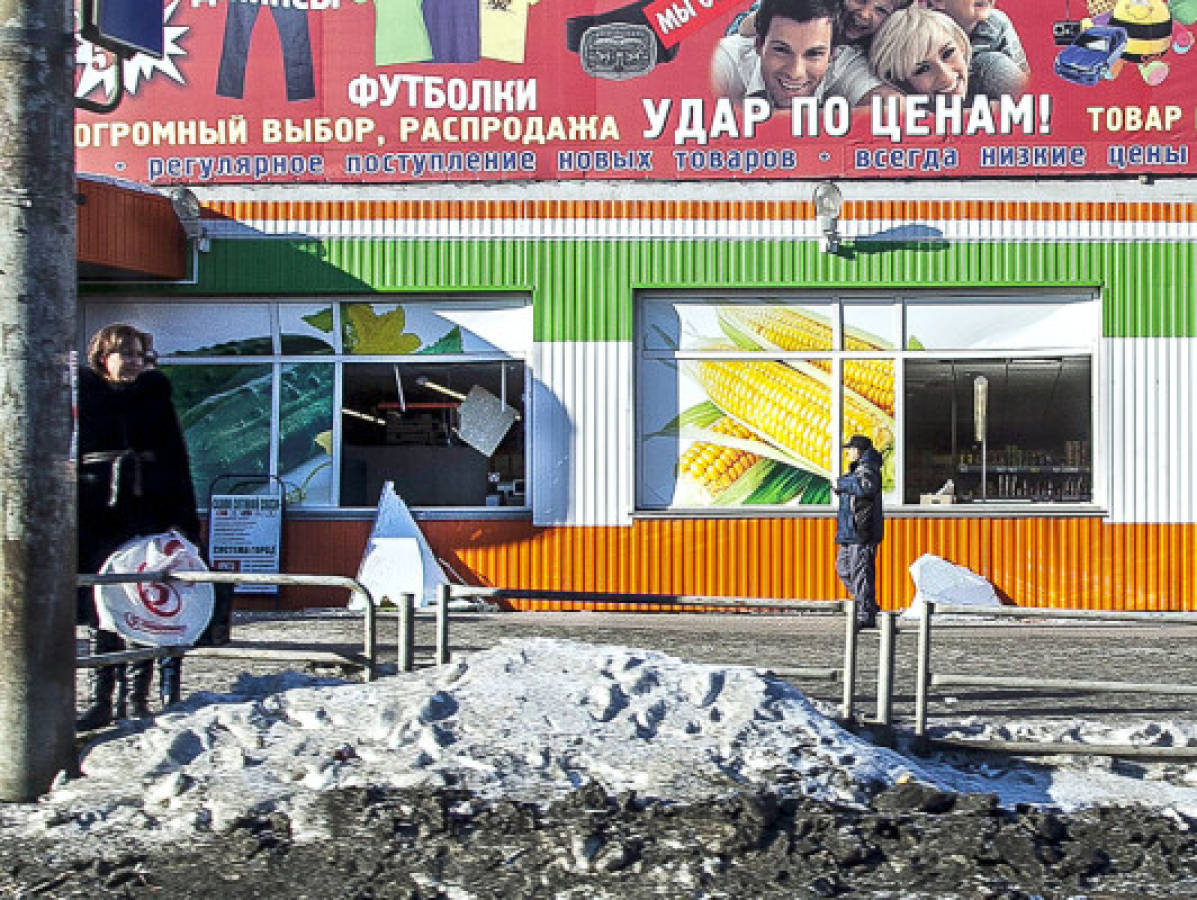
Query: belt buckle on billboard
{"x": 618, "y": 51}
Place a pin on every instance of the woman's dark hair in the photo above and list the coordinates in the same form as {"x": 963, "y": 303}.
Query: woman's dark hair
{"x": 798, "y": 10}
{"x": 114, "y": 339}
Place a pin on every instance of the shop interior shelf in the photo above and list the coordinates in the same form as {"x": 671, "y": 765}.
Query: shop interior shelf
{"x": 1020, "y": 470}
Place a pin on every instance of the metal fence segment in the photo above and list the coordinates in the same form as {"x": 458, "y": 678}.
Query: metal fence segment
{"x": 405, "y": 658}
{"x": 695, "y": 601}
{"x": 368, "y": 660}
{"x": 923, "y": 671}
{"x": 688, "y": 600}
{"x": 850, "y": 630}
{"x": 442, "y": 624}
{"x": 1031, "y": 612}
{"x": 885, "y": 668}
{"x": 926, "y": 679}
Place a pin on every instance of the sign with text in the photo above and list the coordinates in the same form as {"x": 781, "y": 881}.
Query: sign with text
{"x": 250, "y": 91}
{"x": 245, "y": 535}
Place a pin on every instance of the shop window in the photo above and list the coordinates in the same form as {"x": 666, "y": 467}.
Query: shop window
{"x": 1001, "y": 324}
{"x": 732, "y": 411}
{"x": 305, "y": 392}
{"x": 225, "y": 413}
{"x": 871, "y": 327}
{"x": 1038, "y": 430}
{"x": 306, "y": 329}
{"x": 744, "y": 402}
{"x": 403, "y": 423}
{"x": 305, "y": 433}
{"x": 867, "y": 402}
{"x": 756, "y": 325}
{"x": 441, "y": 328}
{"x": 191, "y": 329}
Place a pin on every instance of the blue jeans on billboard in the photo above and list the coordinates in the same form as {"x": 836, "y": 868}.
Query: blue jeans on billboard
{"x": 292, "y": 25}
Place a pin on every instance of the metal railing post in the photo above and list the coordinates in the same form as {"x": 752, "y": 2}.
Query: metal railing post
{"x": 370, "y": 635}
{"x": 885, "y": 669}
{"x": 442, "y": 624}
{"x": 407, "y": 632}
{"x": 849, "y": 657}
{"x": 923, "y": 675}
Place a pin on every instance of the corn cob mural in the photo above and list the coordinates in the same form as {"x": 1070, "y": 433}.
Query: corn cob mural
{"x": 714, "y": 468}
{"x": 712, "y": 473}
{"x": 788, "y": 405}
{"x": 790, "y": 329}
{"x": 764, "y": 433}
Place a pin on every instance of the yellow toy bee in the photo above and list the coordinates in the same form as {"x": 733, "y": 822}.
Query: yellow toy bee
{"x": 1151, "y": 30}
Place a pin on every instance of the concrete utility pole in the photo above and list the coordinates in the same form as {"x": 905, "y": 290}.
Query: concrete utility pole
{"x": 37, "y": 331}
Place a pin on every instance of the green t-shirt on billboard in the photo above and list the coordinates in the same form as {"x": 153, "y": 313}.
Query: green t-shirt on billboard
{"x": 399, "y": 32}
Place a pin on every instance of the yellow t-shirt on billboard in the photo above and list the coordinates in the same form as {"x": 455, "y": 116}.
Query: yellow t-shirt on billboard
{"x": 504, "y": 28}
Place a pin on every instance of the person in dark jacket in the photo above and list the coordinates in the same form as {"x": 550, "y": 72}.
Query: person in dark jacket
{"x": 134, "y": 479}
{"x": 860, "y": 526}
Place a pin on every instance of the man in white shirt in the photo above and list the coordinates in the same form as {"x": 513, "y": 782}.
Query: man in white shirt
{"x": 792, "y": 55}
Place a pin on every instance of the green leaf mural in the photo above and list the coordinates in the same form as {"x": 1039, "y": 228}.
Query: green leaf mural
{"x": 368, "y": 333}
{"x": 450, "y": 343}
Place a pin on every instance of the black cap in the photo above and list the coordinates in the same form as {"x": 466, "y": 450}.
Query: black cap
{"x": 860, "y": 442}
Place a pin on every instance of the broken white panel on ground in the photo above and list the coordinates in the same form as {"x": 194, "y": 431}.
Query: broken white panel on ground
{"x": 398, "y": 559}
{"x": 940, "y": 581}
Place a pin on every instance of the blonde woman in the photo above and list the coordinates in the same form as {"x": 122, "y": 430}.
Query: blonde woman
{"x": 920, "y": 51}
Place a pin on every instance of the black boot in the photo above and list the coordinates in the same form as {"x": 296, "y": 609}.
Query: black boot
{"x": 139, "y": 695}
{"x": 101, "y": 682}
{"x": 99, "y": 709}
{"x": 170, "y": 679}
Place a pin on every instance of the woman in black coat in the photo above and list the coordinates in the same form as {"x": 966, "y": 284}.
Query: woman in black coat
{"x": 134, "y": 479}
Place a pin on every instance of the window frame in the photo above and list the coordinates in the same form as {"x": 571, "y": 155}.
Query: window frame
{"x": 338, "y": 359}
{"x": 837, "y": 300}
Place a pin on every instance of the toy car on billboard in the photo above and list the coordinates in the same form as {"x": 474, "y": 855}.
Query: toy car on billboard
{"x": 1094, "y": 55}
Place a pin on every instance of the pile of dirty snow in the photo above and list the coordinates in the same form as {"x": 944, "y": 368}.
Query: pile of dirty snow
{"x": 533, "y": 720}
{"x": 529, "y": 720}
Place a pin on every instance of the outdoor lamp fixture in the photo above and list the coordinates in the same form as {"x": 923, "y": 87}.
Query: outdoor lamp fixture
{"x": 187, "y": 208}
{"x": 828, "y": 202}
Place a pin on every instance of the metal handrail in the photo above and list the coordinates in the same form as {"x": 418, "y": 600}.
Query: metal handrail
{"x": 925, "y": 678}
{"x": 1035, "y": 612}
{"x": 696, "y": 600}
{"x": 288, "y": 580}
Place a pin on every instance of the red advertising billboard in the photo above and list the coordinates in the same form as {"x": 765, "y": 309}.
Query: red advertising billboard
{"x": 383, "y": 91}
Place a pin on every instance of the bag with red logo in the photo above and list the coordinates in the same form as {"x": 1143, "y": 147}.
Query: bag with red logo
{"x": 158, "y": 614}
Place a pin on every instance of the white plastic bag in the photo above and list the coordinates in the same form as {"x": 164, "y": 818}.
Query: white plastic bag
{"x": 940, "y": 581}
{"x": 156, "y": 614}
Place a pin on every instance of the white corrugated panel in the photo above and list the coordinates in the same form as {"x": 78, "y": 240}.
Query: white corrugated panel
{"x": 581, "y": 456}
{"x": 1153, "y": 429}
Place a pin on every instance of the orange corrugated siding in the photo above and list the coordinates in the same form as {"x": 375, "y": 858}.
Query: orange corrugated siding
{"x": 129, "y": 229}
{"x": 1065, "y": 562}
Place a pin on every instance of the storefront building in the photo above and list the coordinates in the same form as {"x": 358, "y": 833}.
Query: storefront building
{"x": 685, "y": 356}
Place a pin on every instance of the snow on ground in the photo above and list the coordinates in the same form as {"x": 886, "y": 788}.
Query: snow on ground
{"x": 529, "y": 719}
{"x": 1081, "y": 780}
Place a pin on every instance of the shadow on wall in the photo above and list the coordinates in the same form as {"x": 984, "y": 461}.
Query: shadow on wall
{"x": 920, "y": 238}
